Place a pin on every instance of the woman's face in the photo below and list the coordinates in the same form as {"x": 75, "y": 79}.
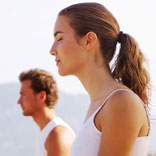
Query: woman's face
{"x": 70, "y": 54}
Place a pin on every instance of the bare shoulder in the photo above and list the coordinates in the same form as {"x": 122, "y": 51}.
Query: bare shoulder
{"x": 125, "y": 101}
{"x": 121, "y": 121}
{"x": 124, "y": 106}
{"x": 59, "y": 141}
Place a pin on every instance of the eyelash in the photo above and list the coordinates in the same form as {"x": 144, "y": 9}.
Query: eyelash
{"x": 59, "y": 39}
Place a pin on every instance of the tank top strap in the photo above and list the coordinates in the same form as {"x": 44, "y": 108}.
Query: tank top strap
{"x": 107, "y": 98}
{"x": 57, "y": 121}
{"x": 48, "y": 128}
{"x": 116, "y": 90}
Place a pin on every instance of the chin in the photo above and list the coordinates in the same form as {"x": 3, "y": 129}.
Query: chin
{"x": 61, "y": 73}
{"x": 64, "y": 73}
{"x": 27, "y": 114}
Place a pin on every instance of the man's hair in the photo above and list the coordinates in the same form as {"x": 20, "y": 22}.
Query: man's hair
{"x": 42, "y": 80}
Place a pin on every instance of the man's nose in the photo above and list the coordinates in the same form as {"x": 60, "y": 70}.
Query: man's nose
{"x": 19, "y": 101}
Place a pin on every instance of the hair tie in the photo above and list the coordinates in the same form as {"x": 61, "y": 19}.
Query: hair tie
{"x": 120, "y": 37}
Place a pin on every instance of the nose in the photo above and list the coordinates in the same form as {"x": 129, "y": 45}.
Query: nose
{"x": 53, "y": 50}
{"x": 19, "y": 101}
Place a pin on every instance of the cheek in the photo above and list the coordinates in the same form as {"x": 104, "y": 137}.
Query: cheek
{"x": 26, "y": 99}
{"x": 70, "y": 49}
{"x": 72, "y": 57}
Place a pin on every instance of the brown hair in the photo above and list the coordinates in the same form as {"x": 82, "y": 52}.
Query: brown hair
{"x": 41, "y": 80}
{"x": 86, "y": 17}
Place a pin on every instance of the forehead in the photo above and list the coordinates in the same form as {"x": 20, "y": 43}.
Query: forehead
{"x": 25, "y": 85}
{"x": 62, "y": 25}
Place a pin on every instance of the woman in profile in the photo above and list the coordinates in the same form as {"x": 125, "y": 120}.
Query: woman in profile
{"x": 117, "y": 123}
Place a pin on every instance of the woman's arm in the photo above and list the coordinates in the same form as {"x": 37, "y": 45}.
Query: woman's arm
{"x": 120, "y": 121}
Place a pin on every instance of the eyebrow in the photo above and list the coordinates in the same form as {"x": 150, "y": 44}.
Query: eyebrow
{"x": 57, "y": 32}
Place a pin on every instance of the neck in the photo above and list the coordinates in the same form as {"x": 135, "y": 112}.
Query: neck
{"x": 98, "y": 83}
{"x": 44, "y": 116}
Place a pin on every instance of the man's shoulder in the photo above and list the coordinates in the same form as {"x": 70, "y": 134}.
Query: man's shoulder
{"x": 59, "y": 139}
{"x": 58, "y": 132}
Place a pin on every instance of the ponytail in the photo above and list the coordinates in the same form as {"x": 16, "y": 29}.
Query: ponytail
{"x": 129, "y": 68}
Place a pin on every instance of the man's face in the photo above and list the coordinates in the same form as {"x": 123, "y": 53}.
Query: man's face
{"x": 28, "y": 100}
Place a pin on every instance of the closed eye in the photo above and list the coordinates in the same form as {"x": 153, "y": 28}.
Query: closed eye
{"x": 22, "y": 94}
{"x": 59, "y": 39}
{"x": 58, "y": 36}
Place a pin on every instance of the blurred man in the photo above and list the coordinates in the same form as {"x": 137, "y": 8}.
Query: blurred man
{"x": 38, "y": 96}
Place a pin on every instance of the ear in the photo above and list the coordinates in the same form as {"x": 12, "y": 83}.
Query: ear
{"x": 90, "y": 40}
{"x": 42, "y": 96}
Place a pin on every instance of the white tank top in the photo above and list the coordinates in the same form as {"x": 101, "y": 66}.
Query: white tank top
{"x": 87, "y": 142}
{"x": 41, "y": 151}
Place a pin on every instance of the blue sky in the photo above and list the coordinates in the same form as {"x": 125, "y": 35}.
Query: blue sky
{"x": 26, "y": 35}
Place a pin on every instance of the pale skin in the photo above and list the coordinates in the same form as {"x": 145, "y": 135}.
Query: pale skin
{"x": 60, "y": 139}
{"x": 123, "y": 118}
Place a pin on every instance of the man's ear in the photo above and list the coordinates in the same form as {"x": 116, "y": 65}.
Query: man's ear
{"x": 90, "y": 40}
{"x": 42, "y": 96}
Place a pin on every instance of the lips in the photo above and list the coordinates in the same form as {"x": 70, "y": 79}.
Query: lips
{"x": 57, "y": 61}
